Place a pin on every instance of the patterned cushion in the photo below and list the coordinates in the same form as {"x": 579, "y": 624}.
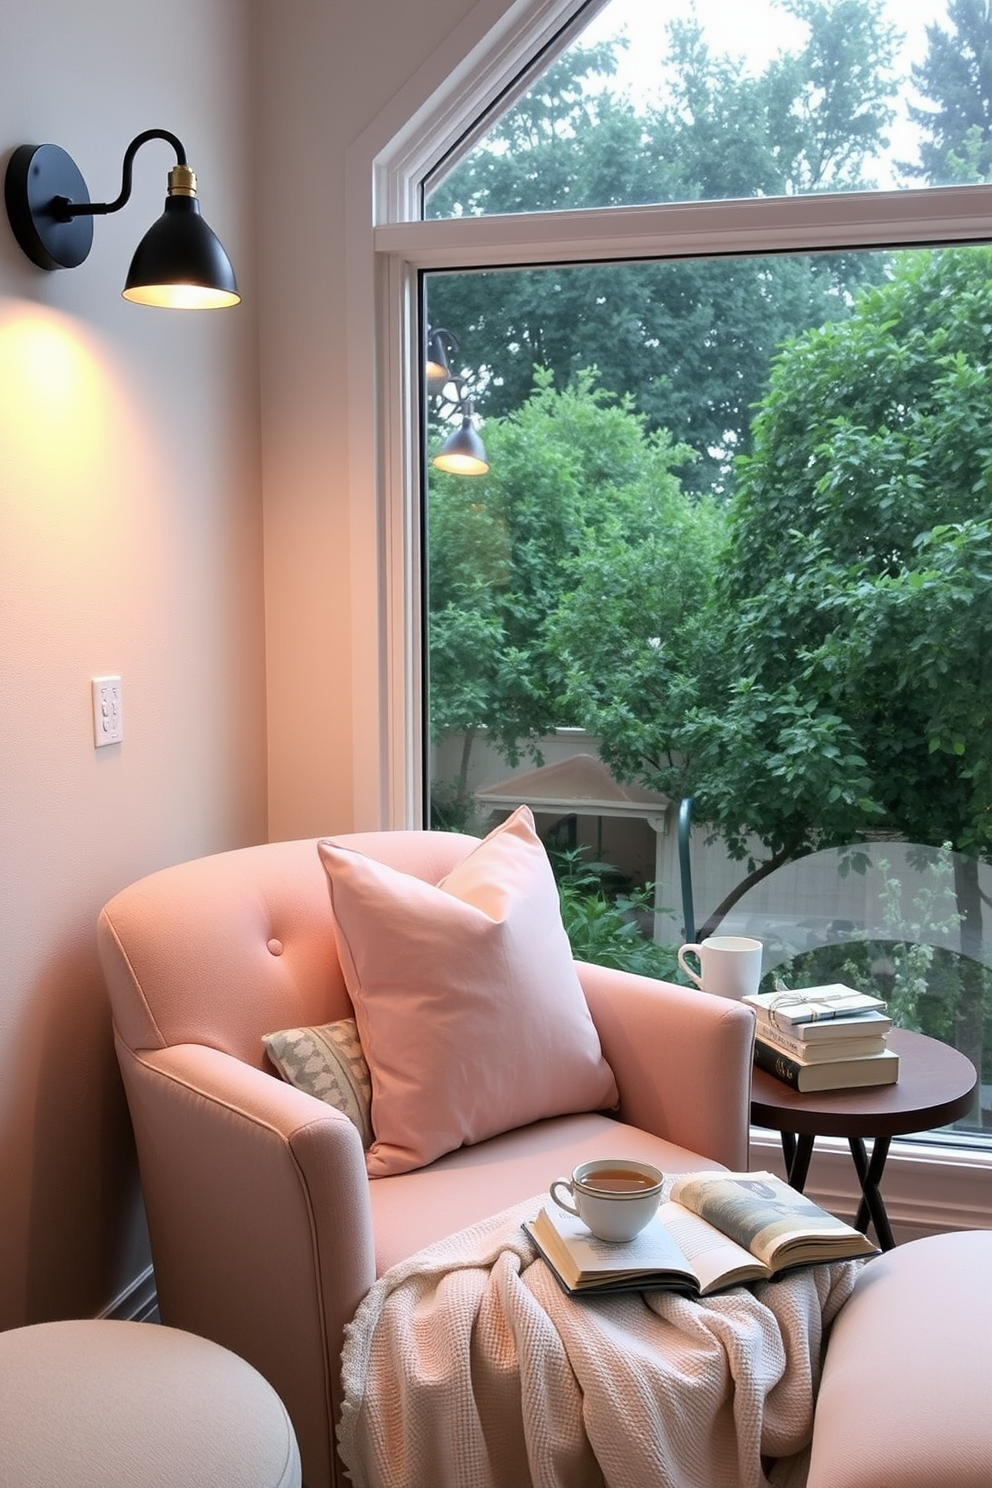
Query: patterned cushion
{"x": 327, "y": 1061}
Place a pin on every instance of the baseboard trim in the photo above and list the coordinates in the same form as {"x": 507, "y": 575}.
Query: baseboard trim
{"x": 137, "y": 1303}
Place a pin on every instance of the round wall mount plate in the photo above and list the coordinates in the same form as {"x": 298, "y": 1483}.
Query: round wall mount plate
{"x": 40, "y": 180}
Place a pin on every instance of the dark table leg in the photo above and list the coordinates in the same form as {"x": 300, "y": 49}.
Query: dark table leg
{"x": 797, "y": 1151}
{"x": 869, "y": 1176}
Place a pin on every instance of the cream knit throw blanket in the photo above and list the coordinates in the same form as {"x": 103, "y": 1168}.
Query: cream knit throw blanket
{"x": 467, "y": 1367}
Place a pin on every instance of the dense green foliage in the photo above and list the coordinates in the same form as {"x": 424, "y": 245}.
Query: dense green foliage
{"x": 861, "y": 559}
{"x": 693, "y": 340}
{"x": 955, "y": 79}
{"x": 820, "y": 667}
{"x": 606, "y": 928}
{"x": 572, "y": 471}
{"x": 810, "y": 665}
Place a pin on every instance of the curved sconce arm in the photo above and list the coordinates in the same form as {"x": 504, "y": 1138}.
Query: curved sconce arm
{"x": 90, "y": 209}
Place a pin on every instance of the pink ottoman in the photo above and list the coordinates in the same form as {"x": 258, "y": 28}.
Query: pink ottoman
{"x": 906, "y": 1395}
{"x": 101, "y": 1404}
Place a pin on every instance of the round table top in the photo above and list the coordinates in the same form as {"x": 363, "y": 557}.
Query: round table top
{"x": 936, "y": 1086}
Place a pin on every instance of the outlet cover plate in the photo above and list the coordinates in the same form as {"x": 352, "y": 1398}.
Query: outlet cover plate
{"x": 108, "y": 722}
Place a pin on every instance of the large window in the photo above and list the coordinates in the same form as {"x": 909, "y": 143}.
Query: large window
{"x": 733, "y": 543}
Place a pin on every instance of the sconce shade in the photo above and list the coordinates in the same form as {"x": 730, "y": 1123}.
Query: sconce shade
{"x": 463, "y": 452}
{"x": 180, "y": 263}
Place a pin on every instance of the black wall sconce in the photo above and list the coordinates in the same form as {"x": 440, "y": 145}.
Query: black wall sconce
{"x": 463, "y": 452}
{"x": 179, "y": 263}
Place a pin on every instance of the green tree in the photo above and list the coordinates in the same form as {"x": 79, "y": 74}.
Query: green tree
{"x": 694, "y": 340}
{"x": 862, "y": 532}
{"x": 956, "y": 78}
{"x": 638, "y": 636}
{"x": 837, "y": 679}
{"x": 570, "y": 468}
{"x": 861, "y": 537}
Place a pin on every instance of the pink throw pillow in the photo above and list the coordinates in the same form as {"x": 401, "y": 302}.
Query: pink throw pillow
{"x": 468, "y": 1006}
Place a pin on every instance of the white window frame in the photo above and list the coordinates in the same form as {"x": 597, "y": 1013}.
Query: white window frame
{"x": 385, "y": 264}
{"x": 388, "y": 249}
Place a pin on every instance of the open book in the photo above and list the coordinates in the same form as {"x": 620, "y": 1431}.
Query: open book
{"x": 717, "y": 1230}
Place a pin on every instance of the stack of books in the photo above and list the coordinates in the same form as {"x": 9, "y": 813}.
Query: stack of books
{"x": 823, "y": 1038}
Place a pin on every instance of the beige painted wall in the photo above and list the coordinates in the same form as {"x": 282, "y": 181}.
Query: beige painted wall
{"x": 130, "y": 541}
{"x": 330, "y": 75}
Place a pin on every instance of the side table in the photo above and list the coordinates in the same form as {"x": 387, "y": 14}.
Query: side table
{"x": 936, "y": 1085}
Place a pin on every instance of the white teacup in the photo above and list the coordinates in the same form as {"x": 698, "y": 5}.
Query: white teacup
{"x": 614, "y": 1196}
{"x": 729, "y": 965}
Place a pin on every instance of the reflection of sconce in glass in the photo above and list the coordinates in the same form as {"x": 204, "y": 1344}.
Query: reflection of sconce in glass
{"x": 463, "y": 452}
{"x": 437, "y": 366}
{"x": 179, "y": 263}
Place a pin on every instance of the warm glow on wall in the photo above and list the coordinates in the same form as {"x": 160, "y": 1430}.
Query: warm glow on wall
{"x": 53, "y": 399}
{"x": 75, "y": 466}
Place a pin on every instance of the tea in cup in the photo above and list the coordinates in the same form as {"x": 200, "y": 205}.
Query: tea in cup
{"x": 729, "y": 965}
{"x": 614, "y": 1197}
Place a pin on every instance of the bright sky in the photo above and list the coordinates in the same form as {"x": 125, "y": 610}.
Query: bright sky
{"x": 754, "y": 30}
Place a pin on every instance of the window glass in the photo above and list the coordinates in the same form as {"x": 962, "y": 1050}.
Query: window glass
{"x": 733, "y": 543}
{"x": 708, "y": 537}
{"x": 695, "y": 100}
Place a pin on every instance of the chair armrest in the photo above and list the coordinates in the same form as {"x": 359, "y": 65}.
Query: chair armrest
{"x": 682, "y": 1060}
{"x": 260, "y": 1223}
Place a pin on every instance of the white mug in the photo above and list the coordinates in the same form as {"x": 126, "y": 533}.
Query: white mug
{"x": 729, "y": 965}
{"x": 615, "y": 1197}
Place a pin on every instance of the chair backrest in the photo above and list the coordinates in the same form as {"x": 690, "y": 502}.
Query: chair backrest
{"x": 226, "y": 948}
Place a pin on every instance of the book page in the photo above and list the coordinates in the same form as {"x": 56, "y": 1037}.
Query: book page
{"x": 762, "y": 1213}
{"x": 591, "y": 1260}
{"x": 717, "y": 1261}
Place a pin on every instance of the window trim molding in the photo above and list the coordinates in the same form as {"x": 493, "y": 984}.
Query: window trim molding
{"x": 933, "y": 216}
{"x": 486, "y": 78}
{"x": 945, "y": 215}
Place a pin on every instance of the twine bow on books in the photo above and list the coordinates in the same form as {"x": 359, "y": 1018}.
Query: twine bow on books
{"x": 822, "y": 1004}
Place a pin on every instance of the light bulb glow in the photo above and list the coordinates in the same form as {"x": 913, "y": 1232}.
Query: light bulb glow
{"x": 460, "y": 464}
{"x": 181, "y": 296}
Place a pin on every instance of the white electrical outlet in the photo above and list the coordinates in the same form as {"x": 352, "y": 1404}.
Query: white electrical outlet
{"x": 108, "y": 722}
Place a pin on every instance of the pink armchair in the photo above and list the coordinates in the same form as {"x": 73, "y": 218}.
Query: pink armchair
{"x": 266, "y": 1231}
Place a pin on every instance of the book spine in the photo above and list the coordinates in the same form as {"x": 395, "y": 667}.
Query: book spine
{"x": 768, "y": 1058}
{"x": 818, "y": 1053}
{"x": 855, "y": 1026}
{"x": 779, "y": 1038}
